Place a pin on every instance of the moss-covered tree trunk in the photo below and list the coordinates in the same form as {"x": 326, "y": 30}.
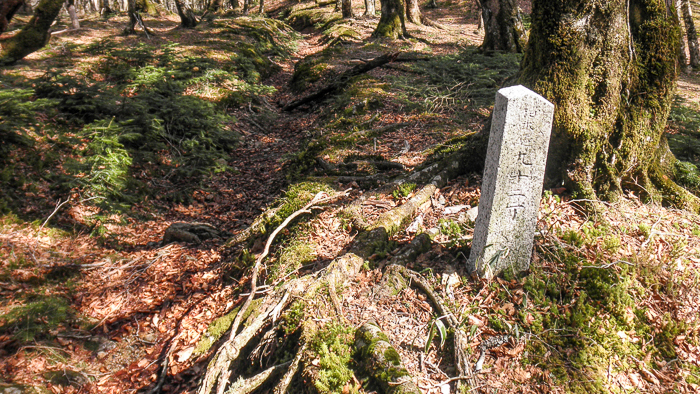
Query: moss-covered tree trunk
{"x": 392, "y": 23}
{"x": 188, "y": 20}
{"x": 369, "y": 8}
{"x": 34, "y": 35}
{"x": 612, "y": 79}
{"x": 503, "y": 26}
{"x": 413, "y": 12}
{"x": 693, "y": 46}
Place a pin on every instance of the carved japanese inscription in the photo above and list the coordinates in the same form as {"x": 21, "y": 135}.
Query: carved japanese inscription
{"x": 512, "y": 183}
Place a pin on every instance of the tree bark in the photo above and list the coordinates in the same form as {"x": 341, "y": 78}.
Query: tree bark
{"x": 214, "y": 6}
{"x": 503, "y": 26}
{"x": 413, "y": 12}
{"x": 682, "y": 57}
{"x": 262, "y": 7}
{"x": 392, "y": 23}
{"x": 693, "y": 46}
{"x": 369, "y": 8}
{"x": 105, "y": 9}
{"x": 612, "y": 80}
{"x": 347, "y": 9}
{"x": 70, "y": 7}
{"x": 8, "y": 9}
{"x": 188, "y": 20}
{"x": 34, "y": 35}
{"x": 133, "y": 8}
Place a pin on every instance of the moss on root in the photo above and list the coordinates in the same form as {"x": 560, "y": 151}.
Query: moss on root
{"x": 381, "y": 360}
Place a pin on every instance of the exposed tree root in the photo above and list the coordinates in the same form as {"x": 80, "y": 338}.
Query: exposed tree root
{"x": 382, "y": 361}
{"x": 372, "y": 238}
{"x": 254, "y": 230}
{"x": 460, "y": 338}
{"x": 343, "y": 80}
{"x": 246, "y": 386}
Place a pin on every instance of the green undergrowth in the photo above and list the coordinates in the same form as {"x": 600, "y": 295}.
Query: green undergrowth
{"x": 157, "y": 110}
{"x": 588, "y": 312}
{"x": 35, "y": 319}
{"x": 448, "y": 95}
{"x": 333, "y": 345}
{"x": 455, "y": 82}
{"x": 685, "y": 142}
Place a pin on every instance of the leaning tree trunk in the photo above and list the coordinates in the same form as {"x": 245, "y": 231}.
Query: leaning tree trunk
{"x": 369, "y": 8}
{"x": 503, "y": 26}
{"x": 8, "y": 9}
{"x": 188, "y": 20}
{"x": 347, "y": 9}
{"x": 693, "y": 45}
{"x": 70, "y": 7}
{"x": 392, "y": 23}
{"x": 413, "y": 12}
{"x": 612, "y": 81}
{"x": 34, "y": 35}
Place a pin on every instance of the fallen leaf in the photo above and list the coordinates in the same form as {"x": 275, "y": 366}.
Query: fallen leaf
{"x": 184, "y": 355}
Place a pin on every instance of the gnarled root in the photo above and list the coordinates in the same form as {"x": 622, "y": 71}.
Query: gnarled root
{"x": 372, "y": 239}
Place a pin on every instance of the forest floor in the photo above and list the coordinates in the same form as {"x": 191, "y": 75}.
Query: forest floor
{"x": 90, "y": 301}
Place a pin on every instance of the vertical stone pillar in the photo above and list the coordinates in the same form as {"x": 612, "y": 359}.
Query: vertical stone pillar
{"x": 512, "y": 184}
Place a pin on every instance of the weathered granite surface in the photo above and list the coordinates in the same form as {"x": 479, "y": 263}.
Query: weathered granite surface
{"x": 512, "y": 185}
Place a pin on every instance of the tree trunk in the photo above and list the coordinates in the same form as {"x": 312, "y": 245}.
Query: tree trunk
{"x": 34, "y": 35}
{"x": 235, "y": 4}
{"x": 188, "y": 20}
{"x": 246, "y": 7}
{"x": 480, "y": 26}
{"x": 261, "y": 10}
{"x": 369, "y": 8}
{"x": 8, "y": 9}
{"x": 693, "y": 45}
{"x": 134, "y": 6}
{"x": 214, "y": 6}
{"x": 338, "y": 5}
{"x": 413, "y": 12}
{"x": 392, "y": 23}
{"x": 682, "y": 57}
{"x": 503, "y": 26}
{"x": 70, "y": 7}
{"x": 105, "y": 10}
{"x": 347, "y": 9}
{"x": 612, "y": 81}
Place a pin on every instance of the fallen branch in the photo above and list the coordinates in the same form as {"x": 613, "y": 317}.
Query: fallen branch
{"x": 343, "y": 80}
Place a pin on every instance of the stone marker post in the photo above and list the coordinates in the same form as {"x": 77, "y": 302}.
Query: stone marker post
{"x": 512, "y": 186}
